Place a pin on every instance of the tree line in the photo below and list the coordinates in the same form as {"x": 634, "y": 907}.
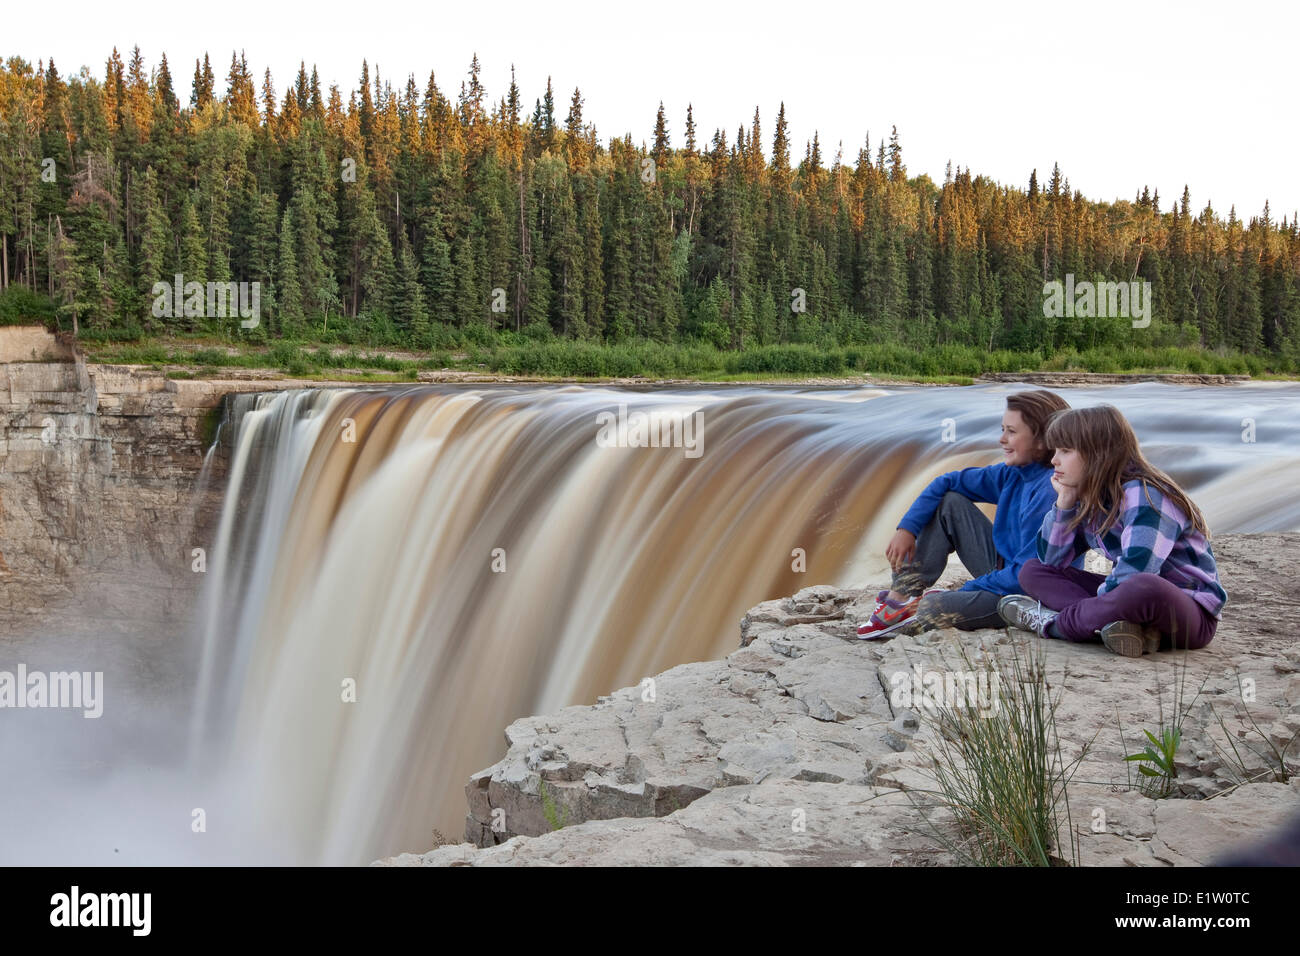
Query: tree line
{"x": 409, "y": 216}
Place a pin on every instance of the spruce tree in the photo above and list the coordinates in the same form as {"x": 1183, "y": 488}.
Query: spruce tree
{"x": 661, "y": 147}
{"x": 412, "y": 317}
{"x": 155, "y": 239}
{"x": 288, "y": 293}
{"x": 436, "y": 275}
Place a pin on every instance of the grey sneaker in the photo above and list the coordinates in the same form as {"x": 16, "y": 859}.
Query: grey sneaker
{"x": 1130, "y": 640}
{"x": 1026, "y": 613}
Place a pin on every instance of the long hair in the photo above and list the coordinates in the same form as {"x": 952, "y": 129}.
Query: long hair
{"x": 1036, "y": 408}
{"x": 1111, "y": 456}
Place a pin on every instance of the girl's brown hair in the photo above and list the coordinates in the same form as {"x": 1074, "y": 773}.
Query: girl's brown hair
{"x": 1111, "y": 456}
{"x": 1036, "y": 408}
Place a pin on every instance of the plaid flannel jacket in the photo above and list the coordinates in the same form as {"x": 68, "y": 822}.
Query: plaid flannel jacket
{"x": 1152, "y": 536}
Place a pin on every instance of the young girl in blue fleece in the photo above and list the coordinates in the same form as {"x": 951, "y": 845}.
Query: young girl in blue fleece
{"x": 944, "y": 519}
{"x": 1164, "y": 589}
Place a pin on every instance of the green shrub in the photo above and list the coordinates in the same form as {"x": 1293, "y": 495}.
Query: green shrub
{"x": 208, "y": 357}
{"x": 538, "y": 332}
{"x": 623, "y": 362}
{"x": 21, "y": 306}
{"x": 1006, "y": 361}
{"x": 958, "y": 360}
{"x": 291, "y": 359}
{"x": 126, "y": 333}
{"x": 786, "y": 360}
{"x": 889, "y": 360}
{"x": 435, "y": 361}
{"x": 142, "y": 355}
{"x": 443, "y": 337}
{"x": 476, "y": 333}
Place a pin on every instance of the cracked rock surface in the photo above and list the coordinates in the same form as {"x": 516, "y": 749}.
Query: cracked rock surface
{"x": 808, "y": 746}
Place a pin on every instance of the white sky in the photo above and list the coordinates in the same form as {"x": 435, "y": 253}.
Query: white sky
{"x": 1121, "y": 94}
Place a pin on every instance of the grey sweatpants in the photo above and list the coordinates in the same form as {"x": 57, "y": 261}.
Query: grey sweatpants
{"x": 958, "y": 526}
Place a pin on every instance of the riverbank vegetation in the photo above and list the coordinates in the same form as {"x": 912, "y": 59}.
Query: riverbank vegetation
{"x": 516, "y": 355}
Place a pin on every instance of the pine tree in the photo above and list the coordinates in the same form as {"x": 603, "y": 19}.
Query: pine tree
{"x": 66, "y": 279}
{"x": 436, "y": 275}
{"x": 366, "y": 115}
{"x": 756, "y": 165}
{"x": 241, "y": 97}
{"x": 593, "y": 260}
{"x": 139, "y": 97}
{"x": 921, "y": 270}
{"x": 661, "y": 147}
{"x": 897, "y": 171}
{"x": 115, "y": 90}
{"x": 514, "y": 133}
{"x": 619, "y": 294}
{"x": 204, "y": 81}
{"x": 412, "y": 317}
{"x": 471, "y": 310}
{"x": 193, "y": 256}
{"x": 264, "y": 251}
{"x": 548, "y": 117}
{"x": 288, "y": 293}
{"x": 781, "y": 153}
{"x": 155, "y": 238}
{"x": 378, "y": 275}
{"x": 566, "y": 273}
{"x": 268, "y": 99}
{"x": 573, "y": 145}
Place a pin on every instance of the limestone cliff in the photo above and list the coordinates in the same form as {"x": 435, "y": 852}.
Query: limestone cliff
{"x": 99, "y": 466}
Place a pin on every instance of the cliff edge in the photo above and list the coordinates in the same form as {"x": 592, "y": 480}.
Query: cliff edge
{"x": 795, "y": 748}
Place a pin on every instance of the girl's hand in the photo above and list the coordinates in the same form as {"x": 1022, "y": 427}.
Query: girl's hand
{"x": 901, "y": 549}
{"x": 1066, "y": 495}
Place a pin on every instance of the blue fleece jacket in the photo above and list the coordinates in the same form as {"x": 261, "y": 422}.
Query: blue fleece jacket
{"x": 1023, "y": 494}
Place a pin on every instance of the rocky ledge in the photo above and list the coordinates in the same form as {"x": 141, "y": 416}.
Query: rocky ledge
{"x": 100, "y": 498}
{"x": 797, "y": 749}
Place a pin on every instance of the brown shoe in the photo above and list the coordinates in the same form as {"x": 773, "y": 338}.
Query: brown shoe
{"x": 1130, "y": 640}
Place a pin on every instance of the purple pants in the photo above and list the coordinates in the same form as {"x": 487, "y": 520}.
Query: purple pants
{"x": 1142, "y": 599}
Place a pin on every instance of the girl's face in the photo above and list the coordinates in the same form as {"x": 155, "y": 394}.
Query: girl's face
{"x": 1017, "y": 441}
{"x": 1068, "y": 466}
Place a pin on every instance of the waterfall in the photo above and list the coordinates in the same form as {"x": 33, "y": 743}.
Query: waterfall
{"x": 398, "y": 574}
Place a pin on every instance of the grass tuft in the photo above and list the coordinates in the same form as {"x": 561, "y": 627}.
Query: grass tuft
{"x": 1001, "y": 772}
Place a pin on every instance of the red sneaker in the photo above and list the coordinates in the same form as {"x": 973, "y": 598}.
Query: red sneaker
{"x": 887, "y": 617}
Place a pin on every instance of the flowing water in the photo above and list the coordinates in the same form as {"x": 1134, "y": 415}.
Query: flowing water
{"x": 399, "y": 573}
